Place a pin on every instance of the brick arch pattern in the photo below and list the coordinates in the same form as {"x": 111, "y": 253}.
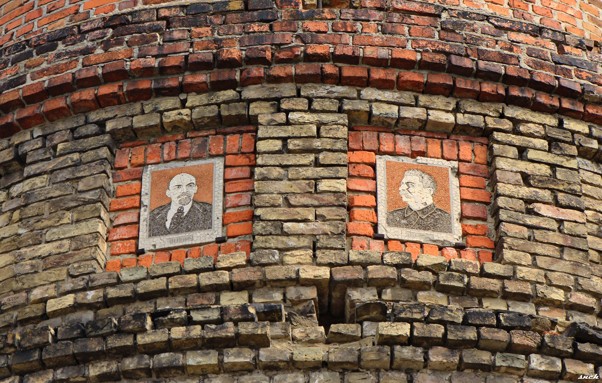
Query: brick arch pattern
{"x": 427, "y": 48}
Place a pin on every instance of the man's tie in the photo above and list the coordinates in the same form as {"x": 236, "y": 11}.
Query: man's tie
{"x": 177, "y": 218}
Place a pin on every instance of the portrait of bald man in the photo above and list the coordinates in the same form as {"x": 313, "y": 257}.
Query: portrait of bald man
{"x": 183, "y": 214}
{"x": 417, "y": 189}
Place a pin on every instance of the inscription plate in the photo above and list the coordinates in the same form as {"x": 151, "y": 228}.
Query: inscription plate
{"x": 418, "y": 199}
{"x": 181, "y": 204}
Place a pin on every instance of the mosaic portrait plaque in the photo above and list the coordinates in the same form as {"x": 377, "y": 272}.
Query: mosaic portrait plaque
{"x": 418, "y": 199}
{"x": 181, "y": 204}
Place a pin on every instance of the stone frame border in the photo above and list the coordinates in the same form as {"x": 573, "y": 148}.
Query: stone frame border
{"x": 204, "y": 236}
{"x": 419, "y": 235}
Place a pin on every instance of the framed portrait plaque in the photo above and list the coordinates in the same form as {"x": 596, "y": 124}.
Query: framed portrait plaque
{"x": 418, "y": 199}
{"x": 181, "y": 204}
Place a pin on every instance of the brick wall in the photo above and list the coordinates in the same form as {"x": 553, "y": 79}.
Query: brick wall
{"x": 366, "y": 143}
{"x": 299, "y": 103}
{"x": 20, "y": 19}
{"x": 235, "y": 144}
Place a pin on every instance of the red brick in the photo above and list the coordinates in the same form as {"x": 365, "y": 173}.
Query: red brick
{"x": 216, "y": 145}
{"x": 367, "y": 215}
{"x": 330, "y": 74}
{"x": 123, "y": 247}
{"x": 143, "y": 67}
{"x": 467, "y": 88}
{"x": 169, "y": 151}
{"x": 238, "y": 229}
{"x": 362, "y": 157}
{"x": 229, "y": 58}
{"x": 60, "y": 84}
{"x": 468, "y": 254}
{"x": 520, "y": 96}
{"x": 370, "y": 140}
{"x": 472, "y": 181}
{"x": 593, "y": 113}
{"x": 354, "y": 76}
{"x": 153, "y": 154}
{"x": 362, "y": 201}
{"x": 29, "y": 117}
{"x": 472, "y": 229}
{"x": 403, "y": 58}
{"x": 433, "y": 148}
{"x": 418, "y": 146}
{"x": 145, "y": 260}
{"x": 84, "y": 101}
{"x": 237, "y": 200}
{"x": 450, "y": 150}
{"x": 237, "y": 173}
{"x": 56, "y": 108}
{"x": 210, "y": 250}
{"x": 223, "y": 79}
{"x": 238, "y": 186}
{"x": 382, "y": 78}
{"x": 232, "y": 143}
{"x": 172, "y": 65}
{"x": 403, "y": 145}
{"x": 114, "y": 71}
{"x": 247, "y": 159}
{"x": 376, "y": 56}
{"x": 123, "y": 232}
{"x": 413, "y": 249}
{"x": 492, "y": 92}
{"x": 544, "y": 102}
{"x": 161, "y": 257}
{"x": 475, "y": 195}
{"x": 473, "y": 169}
{"x": 227, "y": 248}
{"x": 125, "y": 218}
{"x": 132, "y": 188}
{"x": 355, "y": 141}
{"x": 462, "y": 66}
{"x": 430, "y": 249}
{"x": 139, "y": 90}
{"x": 439, "y": 83}
{"x": 360, "y": 228}
{"x": 280, "y": 74}
{"x": 122, "y": 158}
{"x": 571, "y": 108}
{"x": 184, "y": 149}
{"x": 411, "y": 81}
{"x": 200, "y": 61}
{"x": 436, "y": 62}
{"x": 485, "y": 256}
{"x": 32, "y": 93}
{"x": 317, "y": 53}
{"x": 247, "y": 144}
{"x": 178, "y": 255}
{"x": 465, "y": 151}
{"x": 474, "y": 211}
{"x": 478, "y": 241}
{"x": 8, "y": 126}
{"x": 252, "y": 76}
{"x": 358, "y": 243}
{"x": 125, "y": 203}
{"x": 361, "y": 170}
{"x": 127, "y": 175}
{"x": 449, "y": 253}
{"x": 307, "y": 73}
{"x": 346, "y": 54}
{"x": 113, "y": 265}
{"x": 480, "y": 154}
{"x": 110, "y": 95}
{"x": 195, "y": 83}
{"x": 395, "y": 246}
{"x": 358, "y": 184}
{"x": 164, "y": 87}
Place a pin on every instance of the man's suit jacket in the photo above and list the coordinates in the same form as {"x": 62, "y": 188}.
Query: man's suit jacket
{"x": 199, "y": 217}
{"x": 431, "y": 218}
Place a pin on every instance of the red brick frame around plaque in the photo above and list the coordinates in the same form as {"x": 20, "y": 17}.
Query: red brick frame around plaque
{"x": 236, "y": 145}
{"x": 365, "y": 143}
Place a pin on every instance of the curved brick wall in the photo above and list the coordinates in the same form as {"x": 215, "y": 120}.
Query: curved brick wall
{"x": 299, "y": 104}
